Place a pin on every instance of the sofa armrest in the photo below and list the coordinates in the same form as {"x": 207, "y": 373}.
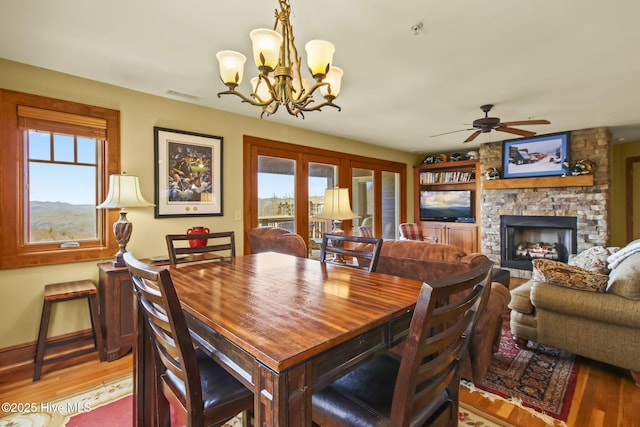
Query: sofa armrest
{"x": 521, "y": 298}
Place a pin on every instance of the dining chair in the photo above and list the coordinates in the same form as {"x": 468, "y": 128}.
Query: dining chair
{"x": 265, "y": 239}
{"x": 419, "y": 388}
{"x": 362, "y": 252}
{"x": 365, "y": 231}
{"x": 192, "y": 382}
{"x": 200, "y": 246}
{"x": 411, "y": 231}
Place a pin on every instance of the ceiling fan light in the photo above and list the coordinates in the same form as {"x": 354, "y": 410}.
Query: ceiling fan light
{"x": 334, "y": 78}
{"x": 266, "y": 48}
{"x": 319, "y": 57}
{"x": 231, "y": 66}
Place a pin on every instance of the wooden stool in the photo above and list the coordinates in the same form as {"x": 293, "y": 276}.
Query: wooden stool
{"x": 67, "y": 291}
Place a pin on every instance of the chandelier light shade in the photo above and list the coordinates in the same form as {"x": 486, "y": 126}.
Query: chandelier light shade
{"x": 124, "y": 192}
{"x": 231, "y": 66}
{"x": 266, "y": 48}
{"x": 334, "y": 78}
{"x": 319, "y": 56}
{"x": 279, "y": 81}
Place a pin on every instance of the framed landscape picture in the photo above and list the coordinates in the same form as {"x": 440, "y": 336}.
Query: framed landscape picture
{"x": 188, "y": 175}
{"x": 544, "y": 155}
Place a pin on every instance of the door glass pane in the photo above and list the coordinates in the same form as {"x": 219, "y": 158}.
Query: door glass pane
{"x": 276, "y": 192}
{"x": 362, "y": 200}
{"x": 390, "y": 205}
{"x": 321, "y": 177}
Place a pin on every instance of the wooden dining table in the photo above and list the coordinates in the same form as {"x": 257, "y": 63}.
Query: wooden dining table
{"x": 282, "y": 325}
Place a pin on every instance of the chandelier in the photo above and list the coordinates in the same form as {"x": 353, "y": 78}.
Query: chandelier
{"x": 279, "y": 81}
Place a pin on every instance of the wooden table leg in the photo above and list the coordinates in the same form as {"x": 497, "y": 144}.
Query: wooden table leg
{"x": 283, "y": 399}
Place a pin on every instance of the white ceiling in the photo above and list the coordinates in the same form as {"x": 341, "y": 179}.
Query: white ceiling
{"x": 573, "y": 62}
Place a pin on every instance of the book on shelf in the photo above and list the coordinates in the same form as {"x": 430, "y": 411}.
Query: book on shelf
{"x": 445, "y": 177}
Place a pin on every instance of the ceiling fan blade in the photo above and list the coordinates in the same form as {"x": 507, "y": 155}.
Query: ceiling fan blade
{"x": 520, "y": 132}
{"x": 473, "y": 136}
{"x": 453, "y": 131}
{"x": 526, "y": 122}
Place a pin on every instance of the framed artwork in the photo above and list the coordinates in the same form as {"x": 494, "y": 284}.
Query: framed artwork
{"x": 188, "y": 175}
{"x": 544, "y": 155}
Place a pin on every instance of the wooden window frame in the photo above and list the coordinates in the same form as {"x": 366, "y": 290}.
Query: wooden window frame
{"x": 19, "y": 111}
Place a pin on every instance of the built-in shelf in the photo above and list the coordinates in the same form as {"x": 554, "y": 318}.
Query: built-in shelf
{"x": 540, "y": 182}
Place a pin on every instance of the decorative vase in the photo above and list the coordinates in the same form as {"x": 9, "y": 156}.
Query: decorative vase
{"x": 198, "y": 242}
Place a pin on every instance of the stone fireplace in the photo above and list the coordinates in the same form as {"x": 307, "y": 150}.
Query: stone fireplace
{"x": 589, "y": 205}
{"x": 525, "y": 238}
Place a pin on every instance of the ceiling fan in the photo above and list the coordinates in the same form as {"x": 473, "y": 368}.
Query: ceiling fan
{"x": 487, "y": 124}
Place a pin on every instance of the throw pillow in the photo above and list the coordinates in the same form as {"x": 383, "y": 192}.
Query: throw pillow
{"x": 594, "y": 259}
{"x": 624, "y": 280}
{"x": 561, "y": 274}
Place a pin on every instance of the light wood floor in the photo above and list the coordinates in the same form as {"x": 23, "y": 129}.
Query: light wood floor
{"x": 605, "y": 396}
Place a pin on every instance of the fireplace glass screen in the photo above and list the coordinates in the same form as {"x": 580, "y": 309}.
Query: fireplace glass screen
{"x": 525, "y": 238}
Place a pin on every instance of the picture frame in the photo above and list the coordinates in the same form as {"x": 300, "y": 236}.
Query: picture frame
{"x": 188, "y": 173}
{"x": 544, "y": 155}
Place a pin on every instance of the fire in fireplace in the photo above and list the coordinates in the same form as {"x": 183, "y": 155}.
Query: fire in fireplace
{"x": 525, "y": 238}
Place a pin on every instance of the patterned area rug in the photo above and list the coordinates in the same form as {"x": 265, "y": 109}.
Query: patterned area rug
{"x": 542, "y": 378}
{"x": 111, "y": 405}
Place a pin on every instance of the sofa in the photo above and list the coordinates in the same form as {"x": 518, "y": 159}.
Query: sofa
{"x": 589, "y": 306}
{"x": 426, "y": 261}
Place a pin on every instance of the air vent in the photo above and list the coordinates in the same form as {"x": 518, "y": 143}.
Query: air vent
{"x": 183, "y": 95}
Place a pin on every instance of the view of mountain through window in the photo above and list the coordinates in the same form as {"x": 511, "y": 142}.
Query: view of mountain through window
{"x": 61, "y": 181}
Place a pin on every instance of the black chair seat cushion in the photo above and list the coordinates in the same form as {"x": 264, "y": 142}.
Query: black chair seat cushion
{"x": 218, "y": 386}
{"x": 363, "y": 397}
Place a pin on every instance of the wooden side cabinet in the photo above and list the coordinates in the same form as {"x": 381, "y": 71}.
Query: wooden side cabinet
{"x": 115, "y": 292}
{"x": 461, "y": 235}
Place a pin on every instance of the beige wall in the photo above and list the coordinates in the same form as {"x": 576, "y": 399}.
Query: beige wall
{"x": 618, "y": 215}
{"x": 21, "y": 289}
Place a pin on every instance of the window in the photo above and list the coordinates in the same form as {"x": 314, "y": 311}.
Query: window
{"x": 65, "y": 152}
{"x": 61, "y": 175}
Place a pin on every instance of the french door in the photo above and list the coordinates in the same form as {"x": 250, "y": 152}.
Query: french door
{"x": 284, "y": 187}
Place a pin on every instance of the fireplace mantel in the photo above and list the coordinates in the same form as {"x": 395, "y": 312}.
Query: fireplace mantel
{"x": 540, "y": 182}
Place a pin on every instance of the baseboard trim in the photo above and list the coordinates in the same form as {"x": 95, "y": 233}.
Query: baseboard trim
{"x": 24, "y": 354}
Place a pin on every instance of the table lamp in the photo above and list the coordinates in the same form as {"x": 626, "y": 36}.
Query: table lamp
{"x": 124, "y": 192}
{"x": 337, "y": 208}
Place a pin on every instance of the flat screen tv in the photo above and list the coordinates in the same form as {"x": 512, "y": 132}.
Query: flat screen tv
{"x": 447, "y": 205}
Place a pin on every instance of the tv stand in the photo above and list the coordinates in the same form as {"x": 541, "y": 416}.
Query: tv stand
{"x": 460, "y": 175}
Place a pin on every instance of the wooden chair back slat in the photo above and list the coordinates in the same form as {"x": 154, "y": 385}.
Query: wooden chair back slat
{"x": 353, "y": 251}
{"x": 219, "y": 245}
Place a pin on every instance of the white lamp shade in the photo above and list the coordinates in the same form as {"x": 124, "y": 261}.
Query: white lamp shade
{"x": 334, "y": 78}
{"x": 124, "y": 192}
{"x": 266, "y": 47}
{"x": 231, "y": 66}
{"x": 337, "y": 205}
{"x": 306, "y": 85}
{"x": 319, "y": 56}
{"x": 261, "y": 89}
